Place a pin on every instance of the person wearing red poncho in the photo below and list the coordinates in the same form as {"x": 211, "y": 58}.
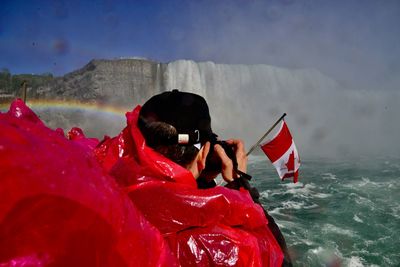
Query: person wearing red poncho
{"x": 157, "y": 159}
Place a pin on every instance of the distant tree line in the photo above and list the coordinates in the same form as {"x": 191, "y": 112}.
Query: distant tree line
{"x": 11, "y": 84}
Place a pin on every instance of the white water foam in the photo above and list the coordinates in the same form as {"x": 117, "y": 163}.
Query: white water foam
{"x": 329, "y": 176}
{"x": 264, "y": 195}
{"x": 355, "y": 262}
{"x": 305, "y": 191}
{"x": 322, "y": 195}
{"x": 276, "y": 211}
{"x": 360, "y": 200}
{"x": 326, "y": 256}
{"x": 330, "y": 228}
{"x": 317, "y": 250}
{"x": 396, "y": 211}
{"x": 357, "y": 219}
{"x": 296, "y": 205}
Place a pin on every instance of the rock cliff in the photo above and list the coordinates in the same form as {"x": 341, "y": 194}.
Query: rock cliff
{"x": 115, "y": 82}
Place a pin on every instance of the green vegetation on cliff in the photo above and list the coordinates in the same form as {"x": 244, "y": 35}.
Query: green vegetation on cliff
{"x": 11, "y": 84}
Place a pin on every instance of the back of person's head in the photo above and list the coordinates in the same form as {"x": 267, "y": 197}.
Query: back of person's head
{"x": 176, "y": 124}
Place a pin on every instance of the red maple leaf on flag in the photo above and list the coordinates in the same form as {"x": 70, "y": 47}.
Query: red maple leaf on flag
{"x": 290, "y": 163}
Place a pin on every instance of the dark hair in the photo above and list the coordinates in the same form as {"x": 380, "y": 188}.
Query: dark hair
{"x": 169, "y": 116}
{"x": 157, "y": 135}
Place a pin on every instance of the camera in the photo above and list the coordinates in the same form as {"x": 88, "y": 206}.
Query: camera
{"x": 213, "y": 161}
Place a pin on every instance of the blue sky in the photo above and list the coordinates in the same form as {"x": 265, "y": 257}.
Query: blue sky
{"x": 355, "y": 42}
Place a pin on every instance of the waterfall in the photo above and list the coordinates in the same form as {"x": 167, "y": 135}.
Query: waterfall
{"x": 325, "y": 119}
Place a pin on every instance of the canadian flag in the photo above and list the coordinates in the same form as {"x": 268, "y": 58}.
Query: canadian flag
{"x": 282, "y": 152}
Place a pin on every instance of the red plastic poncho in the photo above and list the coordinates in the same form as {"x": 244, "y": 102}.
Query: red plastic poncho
{"x": 213, "y": 227}
{"x": 59, "y": 208}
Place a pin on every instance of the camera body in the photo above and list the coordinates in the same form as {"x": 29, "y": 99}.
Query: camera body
{"x": 213, "y": 161}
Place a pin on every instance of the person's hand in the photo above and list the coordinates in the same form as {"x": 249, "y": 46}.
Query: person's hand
{"x": 227, "y": 171}
{"x": 240, "y": 153}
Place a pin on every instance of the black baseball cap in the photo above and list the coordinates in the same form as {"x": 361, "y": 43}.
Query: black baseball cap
{"x": 188, "y": 113}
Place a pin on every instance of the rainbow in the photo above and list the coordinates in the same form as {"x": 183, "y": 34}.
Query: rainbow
{"x": 38, "y": 105}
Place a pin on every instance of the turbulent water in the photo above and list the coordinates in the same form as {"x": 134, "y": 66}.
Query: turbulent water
{"x": 339, "y": 214}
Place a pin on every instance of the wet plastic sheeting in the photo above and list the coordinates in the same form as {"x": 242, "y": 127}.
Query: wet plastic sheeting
{"x": 58, "y": 207}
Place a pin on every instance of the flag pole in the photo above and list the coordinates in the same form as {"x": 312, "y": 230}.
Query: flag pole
{"x": 262, "y": 138}
{"x": 24, "y": 91}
